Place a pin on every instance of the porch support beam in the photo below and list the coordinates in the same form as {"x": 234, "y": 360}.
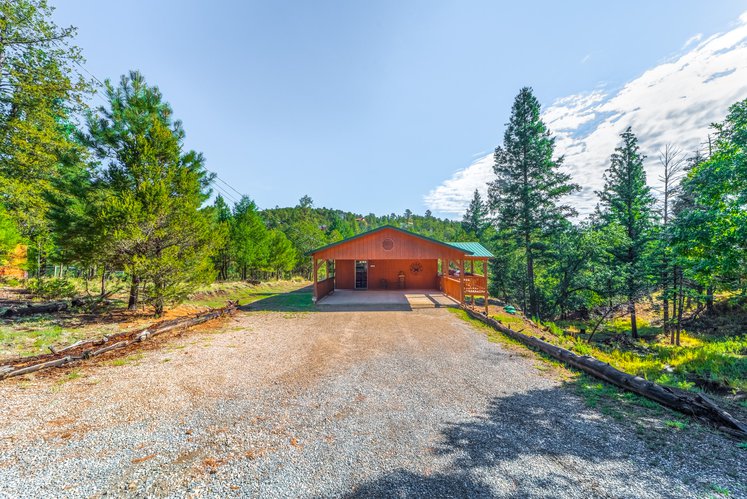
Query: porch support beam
{"x": 316, "y": 268}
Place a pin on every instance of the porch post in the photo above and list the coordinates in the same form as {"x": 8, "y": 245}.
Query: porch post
{"x": 485, "y": 273}
{"x": 316, "y": 291}
{"x": 327, "y": 268}
{"x": 461, "y": 280}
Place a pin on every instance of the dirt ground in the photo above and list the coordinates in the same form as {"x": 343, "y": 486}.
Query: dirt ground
{"x": 286, "y": 404}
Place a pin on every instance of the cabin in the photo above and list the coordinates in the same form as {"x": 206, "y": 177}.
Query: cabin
{"x": 390, "y": 258}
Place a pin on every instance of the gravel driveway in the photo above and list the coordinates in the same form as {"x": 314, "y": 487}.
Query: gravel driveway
{"x": 339, "y": 404}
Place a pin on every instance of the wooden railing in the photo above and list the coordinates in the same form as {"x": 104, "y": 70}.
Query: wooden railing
{"x": 452, "y": 287}
{"x": 325, "y": 287}
{"x": 475, "y": 285}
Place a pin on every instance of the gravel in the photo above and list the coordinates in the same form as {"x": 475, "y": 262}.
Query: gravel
{"x": 356, "y": 404}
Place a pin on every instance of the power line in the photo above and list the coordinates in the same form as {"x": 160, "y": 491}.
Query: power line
{"x": 96, "y": 94}
{"x": 229, "y": 185}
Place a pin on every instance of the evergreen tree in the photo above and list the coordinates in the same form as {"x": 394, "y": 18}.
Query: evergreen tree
{"x": 224, "y": 220}
{"x": 249, "y": 238}
{"x": 475, "y": 219}
{"x": 526, "y": 194}
{"x": 153, "y": 213}
{"x": 626, "y": 200}
{"x": 38, "y": 97}
{"x": 281, "y": 255}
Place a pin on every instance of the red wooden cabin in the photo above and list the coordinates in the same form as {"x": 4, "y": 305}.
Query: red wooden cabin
{"x": 392, "y": 258}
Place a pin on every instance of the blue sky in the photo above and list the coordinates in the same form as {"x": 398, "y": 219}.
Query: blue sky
{"x": 373, "y": 106}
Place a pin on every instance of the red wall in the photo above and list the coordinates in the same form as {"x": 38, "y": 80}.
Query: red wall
{"x": 407, "y": 246}
{"x": 344, "y": 274}
{"x": 389, "y": 270}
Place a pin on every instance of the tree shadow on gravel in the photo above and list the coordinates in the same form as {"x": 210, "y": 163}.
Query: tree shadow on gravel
{"x": 545, "y": 443}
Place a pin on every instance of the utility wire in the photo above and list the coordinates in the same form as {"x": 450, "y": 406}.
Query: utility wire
{"x": 81, "y": 66}
{"x": 229, "y": 186}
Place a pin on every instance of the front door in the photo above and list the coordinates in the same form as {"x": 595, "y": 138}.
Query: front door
{"x": 361, "y": 274}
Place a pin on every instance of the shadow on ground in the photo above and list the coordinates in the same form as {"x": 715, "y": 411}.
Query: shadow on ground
{"x": 546, "y": 443}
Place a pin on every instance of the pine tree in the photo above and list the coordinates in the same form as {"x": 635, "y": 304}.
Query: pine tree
{"x": 529, "y": 186}
{"x": 281, "y": 255}
{"x": 626, "y": 200}
{"x": 38, "y": 96}
{"x": 153, "y": 214}
{"x": 223, "y": 222}
{"x": 249, "y": 238}
{"x": 475, "y": 219}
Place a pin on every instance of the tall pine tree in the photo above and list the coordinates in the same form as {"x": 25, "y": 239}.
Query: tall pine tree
{"x": 475, "y": 219}
{"x": 529, "y": 186}
{"x": 626, "y": 201}
{"x": 153, "y": 214}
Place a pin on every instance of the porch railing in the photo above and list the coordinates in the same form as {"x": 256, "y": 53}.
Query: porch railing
{"x": 475, "y": 285}
{"x": 325, "y": 287}
{"x": 452, "y": 287}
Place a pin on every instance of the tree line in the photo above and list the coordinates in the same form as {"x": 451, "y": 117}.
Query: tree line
{"x": 111, "y": 189}
{"x": 681, "y": 246}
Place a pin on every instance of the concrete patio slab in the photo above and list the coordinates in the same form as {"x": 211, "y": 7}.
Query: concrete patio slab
{"x": 409, "y": 299}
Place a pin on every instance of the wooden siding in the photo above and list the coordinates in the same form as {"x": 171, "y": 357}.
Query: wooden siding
{"x": 344, "y": 274}
{"x": 405, "y": 247}
{"x": 325, "y": 287}
{"x": 452, "y": 287}
{"x": 390, "y": 269}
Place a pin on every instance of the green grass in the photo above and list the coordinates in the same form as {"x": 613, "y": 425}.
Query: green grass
{"x": 492, "y": 334}
{"x": 717, "y": 359}
{"x": 72, "y": 375}
{"x": 217, "y": 294}
{"x": 720, "y": 490}
{"x": 34, "y": 336}
{"x": 123, "y": 361}
{"x": 679, "y": 425}
{"x": 609, "y": 399}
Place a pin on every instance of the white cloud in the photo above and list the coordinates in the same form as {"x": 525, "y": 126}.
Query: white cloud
{"x": 674, "y": 102}
{"x": 692, "y": 39}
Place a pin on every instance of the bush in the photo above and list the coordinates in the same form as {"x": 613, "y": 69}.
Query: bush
{"x": 53, "y": 288}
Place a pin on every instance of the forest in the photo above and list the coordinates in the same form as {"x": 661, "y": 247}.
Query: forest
{"x": 106, "y": 191}
{"x": 97, "y": 184}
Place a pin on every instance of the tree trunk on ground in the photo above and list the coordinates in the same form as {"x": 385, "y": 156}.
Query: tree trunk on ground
{"x": 709, "y": 300}
{"x": 694, "y": 404}
{"x": 103, "y": 280}
{"x": 134, "y": 290}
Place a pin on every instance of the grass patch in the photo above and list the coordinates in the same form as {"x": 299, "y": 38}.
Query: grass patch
{"x": 72, "y": 375}
{"x": 492, "y": 334}
{"x": 123, "y": 361}
{"x": 717, "y": 359}
{"x": 720, "y": 490}
{"x": 217, "y": 294}
{"x": 34, "y": 335}
{"x": 679, "y": 425}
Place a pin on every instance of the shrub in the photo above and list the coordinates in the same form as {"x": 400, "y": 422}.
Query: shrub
{"x": 53, "y": 288}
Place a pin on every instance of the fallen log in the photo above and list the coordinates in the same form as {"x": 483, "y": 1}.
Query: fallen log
{"x": 36, "y": 367}
{"x": 35, "y": 309}
{"x": 77, "y": 351}
{"x": 692, "y": 404}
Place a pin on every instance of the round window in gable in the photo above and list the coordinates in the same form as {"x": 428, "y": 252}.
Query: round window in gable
{"x": 387, "y": 244}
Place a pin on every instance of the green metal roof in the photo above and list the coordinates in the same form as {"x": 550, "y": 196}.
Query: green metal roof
{"x": 476, "y": 249}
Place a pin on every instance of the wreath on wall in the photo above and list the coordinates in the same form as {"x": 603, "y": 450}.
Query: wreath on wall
{"x": 416, "y": 267}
